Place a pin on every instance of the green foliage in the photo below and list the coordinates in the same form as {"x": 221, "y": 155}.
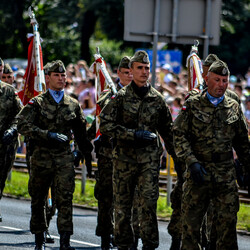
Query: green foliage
{"x": 163, "y": 211}
{"x": 243, "y": 222}
{"x": 88, "y": 198}
{"x": 66, "y": 33}
{"x": 18, "y": 185}
{"x": 110, "y": 50}
{"x": 234, "y": 40}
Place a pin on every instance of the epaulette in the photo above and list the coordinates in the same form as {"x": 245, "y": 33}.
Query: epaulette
{"x": 193, "y": 91}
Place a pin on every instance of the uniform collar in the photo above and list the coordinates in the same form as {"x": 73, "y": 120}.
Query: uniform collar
{"x": 226, "y": 103}
{"x": 65, "y": 99}
{"x": 151, "y": 92}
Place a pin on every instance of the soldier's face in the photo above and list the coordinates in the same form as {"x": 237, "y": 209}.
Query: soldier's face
{"x": 8, "y": 78}
{"x": 57, "y": 81}
{"x": 140, "y": 72}
{"x": 125, "y": 76}
{"x": 216, "y": 84}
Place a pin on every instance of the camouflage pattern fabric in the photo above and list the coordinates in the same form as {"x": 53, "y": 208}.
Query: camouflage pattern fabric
{"x": 145, "y": 176}
{"x": 103, "y": 187}
{"x": 10, "y": 105}
{"x": 175, "y": 224}
{"x": 136, "y": 165}
{"x": 104, "y": 195}
{"x": 206, "y": 134}
{"x": 52, "y": 162}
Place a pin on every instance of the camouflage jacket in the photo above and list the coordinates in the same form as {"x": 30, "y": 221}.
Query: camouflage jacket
{"x": 10, "y": 105}
{"x": 126, "y": 113}
{"x": 203, "y": 131}
{"x": 104, "y": 146}
{"x": 43, "y": 114}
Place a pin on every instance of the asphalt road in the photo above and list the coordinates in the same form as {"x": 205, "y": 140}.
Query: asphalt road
{"x": 15, "y": 234}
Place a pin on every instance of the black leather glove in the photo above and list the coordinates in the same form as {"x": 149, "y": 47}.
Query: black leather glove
{"x": 77, "y": 157}
{"x": 145, "y": 136}
{"x": 9, "y": 135}
{"x": 197, "y": 172}
{"x": 88, "y": 163}
{"x": 57, "y": 137}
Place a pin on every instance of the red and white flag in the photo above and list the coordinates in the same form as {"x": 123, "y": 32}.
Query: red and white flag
{"x": 34, "y": 80}
{"x": 100, "y": 85}
{"x": 102, "y": 81}
{"x": 194, "y": 67}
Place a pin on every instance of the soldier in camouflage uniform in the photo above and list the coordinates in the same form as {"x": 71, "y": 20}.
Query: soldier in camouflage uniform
{"x": 103, "y": 149}
{"x": 209, "y": 125}
{"x": 48, "y": 120}
{"x": 135, "y": 118}
{"x": 175, "y": 225}
{"x": 10, "y": 105}
{"x": 8, "y": 75}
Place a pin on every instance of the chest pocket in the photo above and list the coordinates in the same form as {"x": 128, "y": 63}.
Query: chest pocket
{"x": 48, "y": 114}
{"x": 202, "y": 125}
{"x": 130, "y": 115}
{"x": 202, "y": 116}
{"x": 69, "y": 116}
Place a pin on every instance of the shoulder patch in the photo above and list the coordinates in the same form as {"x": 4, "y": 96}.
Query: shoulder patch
{"x": 31, "y": 102}
{"x": 113, "y": 96}
{"x": 105, "y": 90}
{"x": 184, "y": 108}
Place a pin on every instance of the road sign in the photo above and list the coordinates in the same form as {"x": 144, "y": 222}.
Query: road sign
{"x": 180, "y": 21}
{"x": 172, "y": 57}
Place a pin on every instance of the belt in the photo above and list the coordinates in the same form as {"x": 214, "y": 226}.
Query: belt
{"x": 215, "y": 157}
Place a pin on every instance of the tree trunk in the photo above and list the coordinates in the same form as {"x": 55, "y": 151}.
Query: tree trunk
{"x": 88, "y": 27}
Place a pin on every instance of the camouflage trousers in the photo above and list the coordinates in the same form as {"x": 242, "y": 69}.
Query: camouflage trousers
{"x": 175, "y": 224}
{"x": 7, "y": 157}
{"x": 195, "y": 203}
{"x": 104, "y": 194}
{"x": 40, "y": 180}
{"x": 125, "y": 179}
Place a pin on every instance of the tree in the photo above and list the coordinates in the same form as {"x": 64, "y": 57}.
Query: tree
{"x": 234, "y": 40}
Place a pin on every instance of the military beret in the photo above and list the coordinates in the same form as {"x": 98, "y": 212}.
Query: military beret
{"x": 7, "y": 69}
{"x": 124, "y": 63}
{"x": 46, "y": 68}
{"x": 220, "y": 68}
{"x": 57, "y": 67}
{"x": 210, "y": 59}
{"x": 140, "y": 56}
{"x": 1, "y": 61}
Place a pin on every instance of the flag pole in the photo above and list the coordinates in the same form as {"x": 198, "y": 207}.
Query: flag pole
{"x": 40, "y": 81}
